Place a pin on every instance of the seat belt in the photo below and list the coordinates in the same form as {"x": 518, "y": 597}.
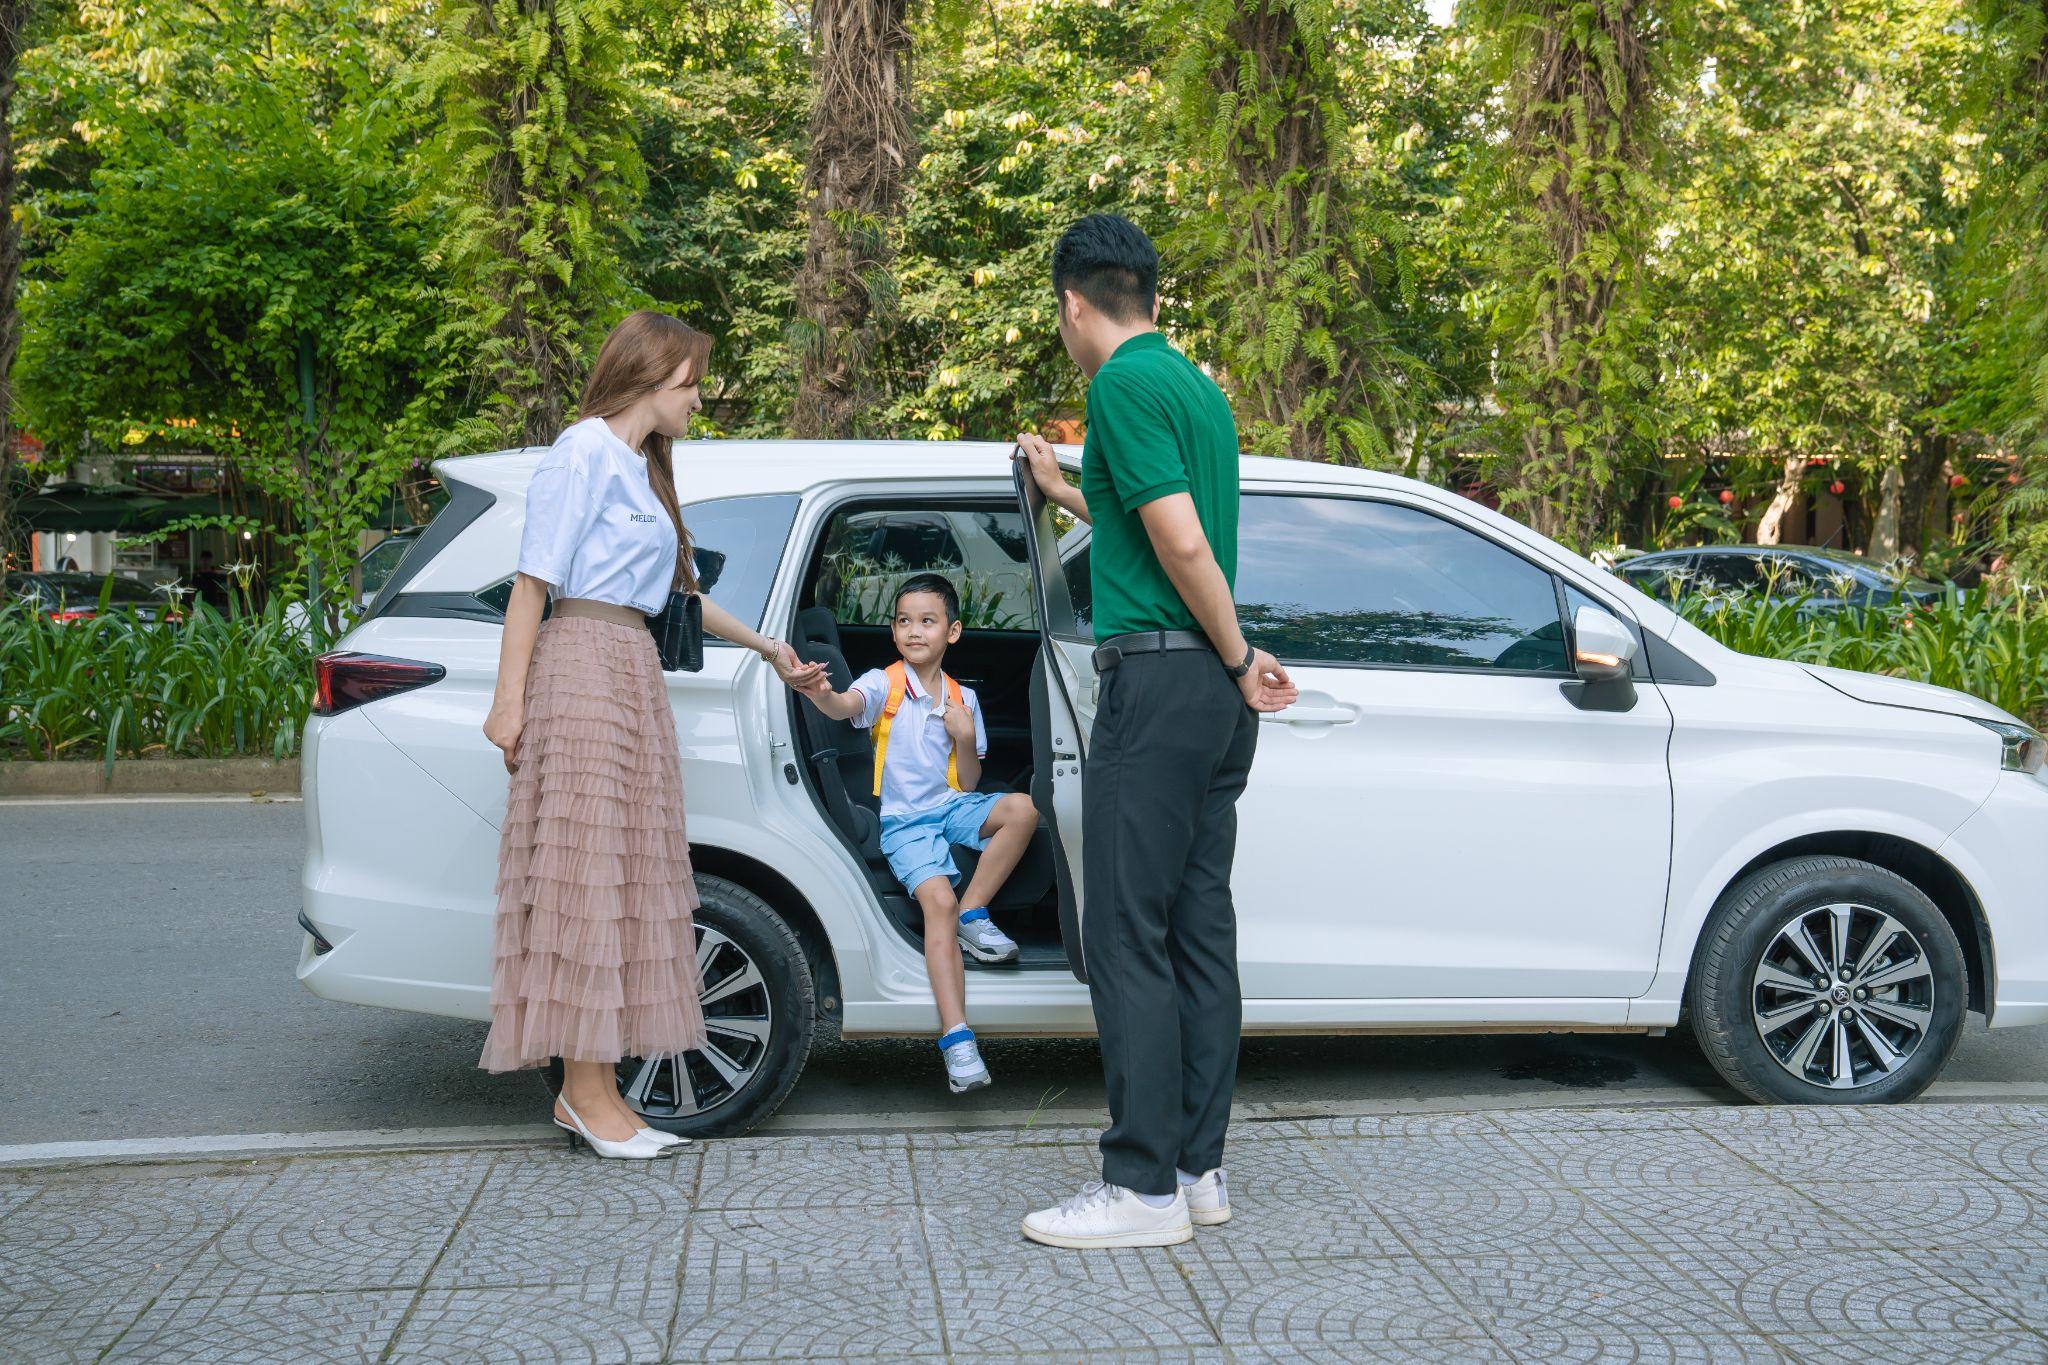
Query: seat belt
{"x": 899, "y": 684}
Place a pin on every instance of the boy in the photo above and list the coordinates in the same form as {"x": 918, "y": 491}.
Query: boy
{"x": 929, "y": 743}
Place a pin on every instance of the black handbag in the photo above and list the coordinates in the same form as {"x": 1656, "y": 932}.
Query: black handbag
{"x": 679, "y": 633}
{"x": 678, "y": 628}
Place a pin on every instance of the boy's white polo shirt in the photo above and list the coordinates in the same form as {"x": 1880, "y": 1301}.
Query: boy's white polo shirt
{"x": 914, "y": 773}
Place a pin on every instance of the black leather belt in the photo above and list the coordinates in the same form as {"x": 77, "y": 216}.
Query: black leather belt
{"x": 1111, "y": 652}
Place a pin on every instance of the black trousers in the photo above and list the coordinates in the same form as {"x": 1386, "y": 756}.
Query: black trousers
{"x": 1170, "y": 752}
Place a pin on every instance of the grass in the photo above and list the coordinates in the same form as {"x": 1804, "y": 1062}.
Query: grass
{"x": 115, "y": 687}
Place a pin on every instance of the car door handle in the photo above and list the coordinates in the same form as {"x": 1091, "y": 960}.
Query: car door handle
{"x": 1338, "y": 714}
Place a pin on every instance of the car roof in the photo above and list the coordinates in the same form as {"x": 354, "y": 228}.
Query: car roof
{"x": 737, "y": 468}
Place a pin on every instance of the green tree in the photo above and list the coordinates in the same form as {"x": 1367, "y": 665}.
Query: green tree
{"x": 860, "y": 156}
{"x": 532, "y": 169}
{"x": 13, "y": 24}
{"x": 723, "y": 97}
{"x": 2005, "y": 393}
{"x": 1804, "y": 271}
{"x": 216, "y": 262}
{"x": 1568, "y": 194}
{"x": 1298, "y": 274}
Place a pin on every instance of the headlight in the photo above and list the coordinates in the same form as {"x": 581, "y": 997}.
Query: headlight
{"x": 2022, "y": 749}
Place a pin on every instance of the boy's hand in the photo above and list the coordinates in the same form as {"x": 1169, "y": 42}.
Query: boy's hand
{"x": 960, "y": 726}
{"x": 1267, "y": 687}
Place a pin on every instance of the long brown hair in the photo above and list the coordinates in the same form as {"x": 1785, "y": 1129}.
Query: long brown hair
{"x": 636, "y": 360}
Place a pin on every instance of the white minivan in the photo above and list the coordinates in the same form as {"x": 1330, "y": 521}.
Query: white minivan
{"x": 1515, "y": 794}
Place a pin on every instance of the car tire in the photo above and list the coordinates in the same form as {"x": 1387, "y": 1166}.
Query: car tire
{"x": 1873, "y": 1021}
{"x": 756, "y": 979}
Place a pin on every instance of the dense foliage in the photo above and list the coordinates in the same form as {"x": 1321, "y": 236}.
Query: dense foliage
{"x": 114, "y": 687}
{"x": 1584, "y": 257}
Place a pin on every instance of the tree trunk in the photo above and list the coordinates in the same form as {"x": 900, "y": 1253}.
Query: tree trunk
{"x": 13, "y": 18}
{"x": 1287, "y": 166}
{"x": 862, "y": 148}
{"x": 1581, "y": 102}
{"x": 1925, "y": 457}
{"x": 1884, "y": 528}
{"x": 1771, "y": 529}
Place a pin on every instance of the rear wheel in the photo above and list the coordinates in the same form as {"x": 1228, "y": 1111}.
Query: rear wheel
{"x": 759, "y": 1019}
{"x": 1828, "y": 980}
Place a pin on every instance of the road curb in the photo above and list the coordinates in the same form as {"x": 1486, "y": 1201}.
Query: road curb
{"x": 149, "y": 777}
{"x": 24, "y": 1157}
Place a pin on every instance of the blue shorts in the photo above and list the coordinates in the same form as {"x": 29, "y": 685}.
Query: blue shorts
{"x": 918, "y": 845}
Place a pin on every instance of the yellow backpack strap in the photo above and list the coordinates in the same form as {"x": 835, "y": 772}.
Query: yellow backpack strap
{"x": 953, "y": 698}
{"x": 896, "y": 676}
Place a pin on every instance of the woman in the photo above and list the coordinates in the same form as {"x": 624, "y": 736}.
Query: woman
{"x": 595, "y": 956}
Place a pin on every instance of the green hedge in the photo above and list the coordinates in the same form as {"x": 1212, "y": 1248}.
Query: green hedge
{"x": 115, "y": 687}
{"x": 1994, "y": 649}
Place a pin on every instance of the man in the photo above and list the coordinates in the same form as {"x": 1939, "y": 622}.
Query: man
{"x": 1171, "y": 748}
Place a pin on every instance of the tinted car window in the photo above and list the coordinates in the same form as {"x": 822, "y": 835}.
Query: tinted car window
{"x": 868, "y": 553}
{"x": 738, "y": 544}
{"x": 739, "y": 547}
{"x": 83, "y": 590}
{"x": 1346, "y": 580}
{"x": 1666, "y": 580}
{"x": 1728, "y": 573}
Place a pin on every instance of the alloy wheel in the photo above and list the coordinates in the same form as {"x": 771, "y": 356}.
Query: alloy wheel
{"x": 738, "y": 1024}
{"x": 1843, "y": 996}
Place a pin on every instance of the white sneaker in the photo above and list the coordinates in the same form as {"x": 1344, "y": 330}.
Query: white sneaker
{"x": 1208, "y": 1200}
{"x": 1110, "y": 1216}
{"x": 965, "y": 1070}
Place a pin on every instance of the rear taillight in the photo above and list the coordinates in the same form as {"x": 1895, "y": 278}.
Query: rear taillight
{"x": 344, "y": 681}
{"x": 68, "y": 615}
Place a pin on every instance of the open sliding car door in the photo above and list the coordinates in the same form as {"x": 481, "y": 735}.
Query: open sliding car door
{"x": 1063, "y": 688}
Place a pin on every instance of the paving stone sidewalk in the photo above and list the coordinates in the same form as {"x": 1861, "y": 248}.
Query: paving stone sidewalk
{"x": 1746, "y": 1234}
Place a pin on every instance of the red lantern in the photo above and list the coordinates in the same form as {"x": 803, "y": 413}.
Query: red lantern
{"x": 1674, "y": 502}
{"x": 1956, "y": 481}
{"x": 1726, "y": 497}
{"x": 1838, "y": 488}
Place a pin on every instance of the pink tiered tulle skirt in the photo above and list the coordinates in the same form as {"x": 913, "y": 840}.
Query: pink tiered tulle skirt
{"x": 595, "y": 957}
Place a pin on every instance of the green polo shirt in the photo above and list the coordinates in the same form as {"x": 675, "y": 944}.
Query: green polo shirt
{"x": 1156, "y": 426}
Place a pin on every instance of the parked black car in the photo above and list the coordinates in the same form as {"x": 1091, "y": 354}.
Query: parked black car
{"x": 76, "y": 596}
{"x": 1827, "y": 579}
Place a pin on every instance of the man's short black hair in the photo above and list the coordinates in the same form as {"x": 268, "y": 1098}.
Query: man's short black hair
{"x": 932, "y": 582}
{"x": 1109, "y": 261}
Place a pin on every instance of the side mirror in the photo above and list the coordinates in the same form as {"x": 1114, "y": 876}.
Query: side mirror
{"x": 1602, "y": 648}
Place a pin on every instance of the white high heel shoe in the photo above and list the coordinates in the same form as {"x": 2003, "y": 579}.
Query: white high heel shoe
{"x": 665, "y": 1139}
{"x": 635, "y": 1148}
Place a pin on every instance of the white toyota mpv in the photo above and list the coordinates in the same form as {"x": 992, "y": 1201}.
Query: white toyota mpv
{"x": 1516, "y": 794}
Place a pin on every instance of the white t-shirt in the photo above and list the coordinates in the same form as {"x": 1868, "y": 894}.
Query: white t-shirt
{"x": 914, "y": 772}
{"x": 594, "y": 528}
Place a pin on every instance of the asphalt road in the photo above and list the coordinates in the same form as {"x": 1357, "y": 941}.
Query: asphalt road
{"x": 146, "y": 991}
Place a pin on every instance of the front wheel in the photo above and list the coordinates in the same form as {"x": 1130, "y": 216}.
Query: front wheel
{"x": 1827, "y": 980}
{"x": 759, "y": 1018}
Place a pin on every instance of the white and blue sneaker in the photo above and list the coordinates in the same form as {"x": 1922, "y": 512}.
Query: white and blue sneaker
{"x": 982, "y": 941}
{"x": 965, "y": 1070}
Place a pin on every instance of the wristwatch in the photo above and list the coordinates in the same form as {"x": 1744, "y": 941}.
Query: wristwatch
{"x": 1243, "y": 668}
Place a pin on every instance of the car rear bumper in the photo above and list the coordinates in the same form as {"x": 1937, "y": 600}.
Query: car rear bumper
{"x": 2002, "y": 851}
{"x": 398, "y": 879}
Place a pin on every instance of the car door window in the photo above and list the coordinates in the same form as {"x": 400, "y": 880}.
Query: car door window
{"x": 1666, "y": 580}
{"x": 1349, "y": 580}
{"x": 738, "y": 543}
{"x": 868, "y": 552}
{"x": 1728, "y": 573}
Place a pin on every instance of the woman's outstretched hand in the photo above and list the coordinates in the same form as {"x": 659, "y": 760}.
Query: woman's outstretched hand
{"x": 793, "y": 671}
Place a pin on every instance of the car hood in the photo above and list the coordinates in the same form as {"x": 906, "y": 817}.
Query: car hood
{"x": 1879, "y": 690}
